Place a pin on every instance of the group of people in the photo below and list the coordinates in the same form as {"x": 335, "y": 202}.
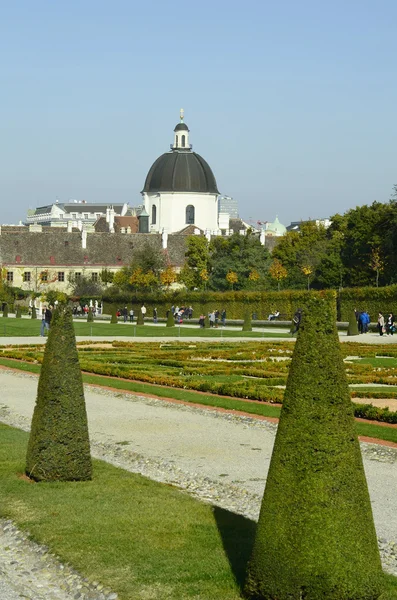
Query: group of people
{"x": 386, "y": 325}
{"x": 363, "y": 320}
{"x": 215, "y": 316}
{"x": 182, "y": 312}
{"x": 80, "y": 311}
{"x": 129, "y": 314}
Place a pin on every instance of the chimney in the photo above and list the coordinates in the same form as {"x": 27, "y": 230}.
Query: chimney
{"x": 107, "y": 215}
{"x": 84, "y": 239}
{"x": 111, "y": 220}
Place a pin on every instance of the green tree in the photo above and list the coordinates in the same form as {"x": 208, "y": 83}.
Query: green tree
{"x": 316, "y": 537}
{"x": 170, "y": 320}
{"x": 59, "y": 447}
{"x": 83, "y": 286}
{"x": 241, "y": 254}
{"x": 197, "y": 259}
{"x": 18, "y": 313}
{"x": 353, "y": 326}
{"x": 113, "y": 318}
{"x": 247, "y": 325}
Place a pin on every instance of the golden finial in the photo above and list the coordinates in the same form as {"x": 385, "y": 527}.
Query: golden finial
{"x": 181, "y": 114}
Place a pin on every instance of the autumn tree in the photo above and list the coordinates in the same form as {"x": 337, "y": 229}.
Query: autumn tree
{"x": 231, "y": 278}
{"x": 376, "y": 263}
{"x": 167, "y": 277}
{"x": 277, "y": 271}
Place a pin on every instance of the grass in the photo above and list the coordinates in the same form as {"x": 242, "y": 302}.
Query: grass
{"x": 10, "y": 327}
{"x": 140, "y": 538}
{"x": 137, "y": 537}
{"x": 255, "y": 408}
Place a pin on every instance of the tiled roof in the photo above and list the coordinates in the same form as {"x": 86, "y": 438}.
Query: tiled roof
{"x": 58, "y": 247}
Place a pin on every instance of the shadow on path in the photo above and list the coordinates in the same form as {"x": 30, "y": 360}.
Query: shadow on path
{"x": 237, "y": 534}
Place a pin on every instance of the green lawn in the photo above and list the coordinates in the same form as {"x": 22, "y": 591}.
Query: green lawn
{"x": 10, "y": 327}
{"x": 140, "y": 538}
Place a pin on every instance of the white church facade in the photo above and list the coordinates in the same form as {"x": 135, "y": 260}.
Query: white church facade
{"x": 180, "y": 189}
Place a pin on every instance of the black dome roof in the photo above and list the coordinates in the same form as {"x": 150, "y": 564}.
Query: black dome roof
{"x": 181, "y": 127}
{"x": 178, "y": 171}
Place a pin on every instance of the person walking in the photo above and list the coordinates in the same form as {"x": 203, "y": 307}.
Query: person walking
{"x": 381, "y": 323}
{"x": 45, "y": 320}
{"x": 390, "y": 324}
{"x": 143, "y": 311}
{"x": 202, "y": 321}
{"x": 155, "y": 315}
{"x": 131, "y": 315}
{"x": 125, "y": 314}
{"x": 223, "y": 317}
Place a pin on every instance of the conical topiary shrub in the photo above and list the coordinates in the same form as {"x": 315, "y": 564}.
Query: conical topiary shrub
{"x": 113, "y": 318}
{"x": 59, "y": 447}
{"x": 5, "y": 310}
{"x": 316, "y": 537}
{"x": 352, "y": 328}
{"x": 247, "y": 325}
{"x": 170, "y": 320}
{"x": 34, "y": 313}
{"x": 18, "y": 313}
{"x": 90, "y": 316}
{"x": 140, "y": 320}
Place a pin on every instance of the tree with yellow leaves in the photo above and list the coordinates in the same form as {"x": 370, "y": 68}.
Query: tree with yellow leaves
{"x": 231, "y": 278}
{"x": 167, "y": 277}
{"x": 277, "y": 271}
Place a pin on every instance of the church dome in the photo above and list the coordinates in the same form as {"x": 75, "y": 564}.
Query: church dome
{"x": 181, "y": 127}
{"x": 276, "y": 228}
{"x": 181, "y": 170}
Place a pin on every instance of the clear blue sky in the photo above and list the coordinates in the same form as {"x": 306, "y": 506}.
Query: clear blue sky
{"x": 293, "y": 104}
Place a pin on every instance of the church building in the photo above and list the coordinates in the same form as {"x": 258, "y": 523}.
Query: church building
{"x": 180, "y": 189}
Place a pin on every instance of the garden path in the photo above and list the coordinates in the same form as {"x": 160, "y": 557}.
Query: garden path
{"x": 206, "y": 445}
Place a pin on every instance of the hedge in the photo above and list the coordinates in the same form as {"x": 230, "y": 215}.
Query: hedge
{"x": 263, "y": 303}
{"x": 316, "y": 537}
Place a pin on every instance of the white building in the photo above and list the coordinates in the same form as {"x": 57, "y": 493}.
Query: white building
{"x": 180, "y": 188}
{"x": 74, "y": 213}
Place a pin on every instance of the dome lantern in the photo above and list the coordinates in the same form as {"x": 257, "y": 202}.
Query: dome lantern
{"x": 181, "y": 138}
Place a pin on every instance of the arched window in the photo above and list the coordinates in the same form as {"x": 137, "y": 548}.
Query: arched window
{"x": 183, "y": 141}
{"x": 190, "y": 215}
{"x": 154, "y": 214}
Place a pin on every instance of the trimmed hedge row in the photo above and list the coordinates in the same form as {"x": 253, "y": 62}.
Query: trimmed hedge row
{"x": 236, "y": 304}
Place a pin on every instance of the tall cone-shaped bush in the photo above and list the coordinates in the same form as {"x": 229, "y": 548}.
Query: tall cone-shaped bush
{"x": 59, "y": 447}
{"x": 34, "y": 313}
{"x": 5, "y": 310}
{"x": 140, "y": 318}
{"x": 247, "y": 325}
{"x": 113, "y": 318}
{"x": 90, "y": 316}
{"x": 18, "y": 313}
{"x": 352, "y": 328}
{"x": 316, "y": 536}
{"x": 170, "y": 320}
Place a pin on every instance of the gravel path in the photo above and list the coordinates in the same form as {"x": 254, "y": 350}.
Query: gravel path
{"x": 217, "y": 457}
